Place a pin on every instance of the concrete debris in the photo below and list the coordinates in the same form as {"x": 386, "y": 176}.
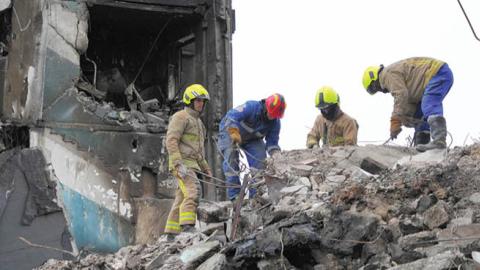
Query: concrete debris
{"x": 194, "y": 255}
{"x": 216, "y": 262}
{"x": 436, "y": 216}
{"x": 209, "y": 211}
{"x": 323, "y": 215}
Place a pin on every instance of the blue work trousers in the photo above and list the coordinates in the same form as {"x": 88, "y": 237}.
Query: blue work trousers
{"x": 255, "y": 152}
{"x": 433, "y": 96}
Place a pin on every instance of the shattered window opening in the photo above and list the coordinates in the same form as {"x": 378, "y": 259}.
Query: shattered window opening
{"x": 119, "y": 42}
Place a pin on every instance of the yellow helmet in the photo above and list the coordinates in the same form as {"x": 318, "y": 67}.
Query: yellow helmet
{"x": 325, "y": 97}
{"x": 195, "y": 91}
{"x": 369, "y": 75}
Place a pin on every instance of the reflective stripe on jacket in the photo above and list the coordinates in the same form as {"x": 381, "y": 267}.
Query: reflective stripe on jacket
{"x": 342, "y": 131}
{"x": 406, "y": 81}
{"x": 185, "y": 140}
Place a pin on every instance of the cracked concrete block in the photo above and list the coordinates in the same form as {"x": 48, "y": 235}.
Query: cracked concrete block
{"x": 401, "y": 256}
{"x": 4, "y": 4}
{"x": 421, "y": 239}
{"x": 424, "y": 202}
{"x": 249, "y": 222}
{"x": 467, "y": 234}
{"x": 436, "y": 216}
{"x": 325, "y": 188}
{"x": 298, "y": 189}
{"x": 411, "y": 225}
{"x": 465, "y": 218}
{"x": 335, "y": 180}
{"x": 208, "y": 211}
{"x": 319, "y": 211}
{"x": 158, "y": 261}
{"x": 216, "y": 262}
{"x": 475, "y": 198}
{"x": 194, "y": 255}
{"x": 443, "y": 261}
{"x": 303, "y": 181}
{"x": 422, "y": 159}
{"x": 301, "y": 169}
{"x": 70, "y": 22}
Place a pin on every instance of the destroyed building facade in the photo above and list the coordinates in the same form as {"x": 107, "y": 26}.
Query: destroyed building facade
{"x": 92, "y": 83}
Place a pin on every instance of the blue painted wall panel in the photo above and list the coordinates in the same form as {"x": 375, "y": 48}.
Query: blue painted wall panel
{"x": 92, "y": 226}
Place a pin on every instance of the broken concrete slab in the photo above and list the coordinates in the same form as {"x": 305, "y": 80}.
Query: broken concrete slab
{"x": 460, "y": 235}
{"x": 385, "y": 155}
{"x": 413, "y": 224}
{"x": 303, "y": 181}
{"x": 436, "y": 215}
{"x": 301, "y": 170}
{"x": 443, "y": 261}
{"x": 209, "y": 211}
{"x": 475, "y": 198}
{"x": 415, "y": 240}
{"x": 298, "y": 189}
{"x": 422, "y": 159}
{"x": 216, "y": 262}
{"x": 465, "y": 217}
{"x": 196, "y": 254}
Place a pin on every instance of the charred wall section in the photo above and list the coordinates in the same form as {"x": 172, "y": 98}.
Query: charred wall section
{"x": 22, "y": 38}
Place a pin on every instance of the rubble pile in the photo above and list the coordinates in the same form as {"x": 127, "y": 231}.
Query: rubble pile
{"x": 372, "y": 207}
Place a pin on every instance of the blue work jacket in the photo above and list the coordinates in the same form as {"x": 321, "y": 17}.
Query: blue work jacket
{"x": 253, "y": 124}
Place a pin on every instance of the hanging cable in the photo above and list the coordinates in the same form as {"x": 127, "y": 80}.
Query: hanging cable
{"x": 468, "y": 20}
{"x": 150, "y": 51}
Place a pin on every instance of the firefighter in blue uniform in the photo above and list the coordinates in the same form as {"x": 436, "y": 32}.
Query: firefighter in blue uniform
{"x": 253, "y": 127}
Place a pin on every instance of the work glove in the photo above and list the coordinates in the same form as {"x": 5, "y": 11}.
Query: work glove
{"x": 182, "y": 171}
{"x": 235, "y": 135}
{"x": 311, "y": 142}
{"x": 395, "y": 127}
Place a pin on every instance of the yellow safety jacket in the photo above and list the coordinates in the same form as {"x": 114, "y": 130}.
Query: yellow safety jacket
{"x": 406, "y": 80}
{"x": 341, "y": 131}
{"x": 185, "y": 140}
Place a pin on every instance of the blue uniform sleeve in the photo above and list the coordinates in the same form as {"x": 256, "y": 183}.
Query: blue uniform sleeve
{"x": 272, "y": 137}
{"x": 238, "y": 114}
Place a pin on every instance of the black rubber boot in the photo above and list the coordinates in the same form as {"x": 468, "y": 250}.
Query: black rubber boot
{"x": 421, "y": 137}
{"x": 171, "y": 237}
{"x": 188, "y": 228}
{"x": 438, "y": 130}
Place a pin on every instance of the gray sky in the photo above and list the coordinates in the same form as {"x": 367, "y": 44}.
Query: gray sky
{"x": 295, "y": 47}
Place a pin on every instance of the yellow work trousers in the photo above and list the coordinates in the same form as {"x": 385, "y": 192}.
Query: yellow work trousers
{"x": 184, "y": 208}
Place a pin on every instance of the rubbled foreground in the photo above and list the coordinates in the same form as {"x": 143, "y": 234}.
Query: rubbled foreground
{"x": 372, "y": 207}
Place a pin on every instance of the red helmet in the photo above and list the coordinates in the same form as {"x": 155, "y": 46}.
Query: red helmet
{"x": 275, "y": 106}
